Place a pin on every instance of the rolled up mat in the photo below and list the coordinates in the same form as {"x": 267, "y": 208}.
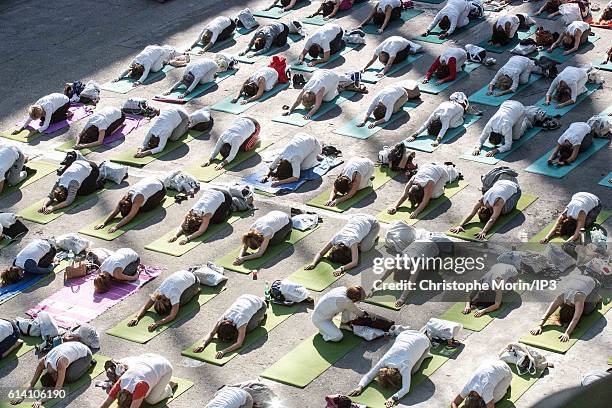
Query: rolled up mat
{"x": 318, "y": 278}
{"x": 483, "y": 158}
{"x": 304, "y": 66}
{"x": 129, "y": 159}
{"x": 296, "y": 118}
{"x": 10, "y": 291}
{"x": 519, "y": 386}
{"x": 364, "y": 132}
{"x": 375, "y": 396}
{"x": 606, "y": 181}
{"x": 125, "y": 85}
{"x": 406, "y": 15}
{"x": 553, "y": 111}
{"x": 557, "y": 53}
{"x": 209, "y": 172}
{"x": 310, "y": 359}
{"x": 29, "y": 343}
{"x": 79, "y": 111}
{"x": 245, "y": 59}
{"x": 276, "y": 314}
{"x": 432, "y": 88}
{"x": 381, "y": 176}
{"x": 475, "y": 226}
{"x": 273, "y": 251}
{"x": 141, "y": 334}
{"x": 541, "y": 165}
{"x": 137, "y": 220}
{"x": 604, "y": 66}
{"x": 482, "y": 98}
{"x": 403, "y": 213}
{"x": 469, "y": 321}
{"x": 601, "y": 218}
{"x": 499, "y": 49}
{"x": 423, "y": 140}
{"x": 370, "y": 77}
{"x": 226, "y": 105}
{"x": 173, "y": 97}
{"x": 549, "y": 338}
{"x": 433, "y": 35}
{"x": 41, "y": 169}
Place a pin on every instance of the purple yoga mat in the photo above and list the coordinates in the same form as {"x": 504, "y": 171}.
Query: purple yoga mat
{"x": 79, "y": 111}
{"x": 131, "y": 123}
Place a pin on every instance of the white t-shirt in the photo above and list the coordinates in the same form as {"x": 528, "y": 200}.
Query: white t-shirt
{"x": 216, "y": 27}
{"x": 35, "y": 250}
{"x": 229, "y": 397}
{"x": 500, "y": 272}
{"x": 514, "y": 68}
{"x": 8, "y": 157}
{"x": 485, "y": 381}
{"x": 118, "y": 259}
{"x": 449, "y": 113}
{"x": 576, "y": 78}
{"x": 72, "y": 350}
{"x": 323, "y": 37}
{"x": 581, "y": 201}
{"x": 146, "y": 187}
{"x": 502, "y": 122}
{"x": 164, "y": 125}
{"x": 361, "y": 165}
{"x": 78, "y": 171}
{"x": 209, "y": 202}
{"x": 50, "y": 103}
{"x": 270, "y": 76}
{"x": 457, "y": 12}
{"x": 202, "y": 69}
{"x": 324, "y": 78}
{"x": 503, "y": 189}
{"x": 355, "y": 230}
{"x": 458, "y": 54}
{"x": 235, "y": 135}
{"x": 270, "y": 223}
{"x": 103, "y": 118}
{"x": 293, "y": 292}
{"x": 429, "y": 172}
{"x": 241, "y": 311}
{"x": 6, "y": 220}
{"x": 570, "y": 12}
{"x": 388, "y": 96}
{"x": 174, "y": 285}
{"x": 149, "y": 368}
{"x": 199, "y": 116}
{"x": 575, "y": 133}
{"x": 6, "y": 329}
{"x": 300, "y": 147}
{"x": 382, "y": 4}
{"x": 331, "y": 304}
{"x": 508, "y": 18}
{"x": 577, "y": 25}
{"x": 393, "y": 45}
{"x": 153, "y": 56}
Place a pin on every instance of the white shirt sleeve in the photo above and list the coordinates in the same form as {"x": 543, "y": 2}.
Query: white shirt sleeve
{"x": 553, "y": 87}
{"x": 370, "y": 375}
{"x": 406, "y": 379}
{"x": 145, "y": 74}
{"x": 426, "y": 124}
{"x": 296, "y": 167}
{"x": 435, "y": 22}
{"x": 507, "y": 141}
{"x": 217, "y": 149}
{"x": 161, "y": 146}
{"x": 515, "y": 81}
{"x": 46, "y": 123}
{"x": 445, "y": 120}
{"x": 389, "y": 112}
{"x": 371, "y": 108}
{"x": 484, "y": 135}
{"x": 233, "y": 152}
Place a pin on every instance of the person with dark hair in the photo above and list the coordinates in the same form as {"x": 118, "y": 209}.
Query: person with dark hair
{"x": 389, "y": 100}
{"x": 486, "y": 387}
{"x": 581, "y": 212}
{"x": 196, "y": 73}
{"x": 265, "y": 37}
{"x": 392, "y": 50}
{"x": 201, "y": 120}
{"x": 175, "y": 291}
{"x": 271, "y": 229}
{"x": 505, "y": 126}
{"x": 80, "y": 178}
{"x": 454, "y": 15}
{"x": 87, "y": 94}
{"x": 121, "y": 265}
{"x": 574, "y": 35}
{"x": 449, "y": 114}
{"x": 151, "y": 59}
{"x": 12, "y": 169}
{"x": 302, "y": 152}
{"x": 488, "y": 301}
{"x": 329, "y": 8}
{"x": 170, "y": 125}
{"x": 9, "y": 338}
{"x": 285, "y": 4}
{"x": 576, "y": 139}
{"x": 49, "y": 109}
{"x": 398, "y": 157}
{"x": 144, "y": 196}
{"x": 356, "y": 175}
{"x": 219, "y": 29}
{"x": 515, "y": 72}
{"x": 64, "y": 364}
{"x": 321, "y": 87}
{"x": 580, "y": 297}
{"x": 383, "y": 13}
{"x": 243, "y": 135}
{"x": 359, "y": 234}
{"x": 606, "y": 15}
{"x": 394, "y": 370}
{"x": 37, "y": 257}
{"x": 500, "y": 199}
{"x": 263, "y": 80}
{"x": 550, "y": 6}
{"x": 567, "y": 86}
{"x": 428, "y": 183}
{"x": 446, "y": 66}
{"x": 246, "y": 314}
{"x": 101, "y": 124}
{"x": 505, "y": 28}
{"x": 11, "y": 226}
{"x": 341, "y": 300}
{"x": 327, "y": 40}
{"x": 231, "y": 397}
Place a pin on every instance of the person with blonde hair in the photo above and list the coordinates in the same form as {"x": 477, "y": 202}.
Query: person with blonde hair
{"x": 486, "y": 386}
{"x": 356, "y": 175}
{"x": 515, "y": 72}
{"x": 321, "y": 87}
{"x": 121, "y": 265}
{"x": 219, "y": 29}
{"x": 341, "y": 300}
{"x": 581, "y": 212}
{"x": 152, "y": 59}
{"x": 271, "y": 229}
{"x": 49, "y": 109}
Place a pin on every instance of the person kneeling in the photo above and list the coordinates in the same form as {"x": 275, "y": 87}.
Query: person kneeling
{"x": 103, "y": 123}
{"x": 341, "y": 300}
{"x": 486, "y": 387}
{"x": 271, "y": 229}
{"x": 447, "y": 115}
{"x": 356, "y": 175}
{"x": 243, "y": 135}
{"x": 301, "y": 153}
{"x": 122, "y": 265}
{"x": 170, "y": 125}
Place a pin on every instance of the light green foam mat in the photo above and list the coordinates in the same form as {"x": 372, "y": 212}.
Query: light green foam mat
{"x": 482, "y": 98}
{"x": 433, "y": 88}
{"x": 475, "y": 226}
{"x": 29, "y": 343}
{"x": 42, "y": 169}
{"x": 276, "y": 314}
{"x": 386, "y": 297}
{"x": 423, "y": 140}
{"x": 557, "y": 53}
{"x": 352, "y": 130}
{"x": 227, "y": 106}
{"x": 162, "y": 245}
{"x": 209, "y": 172}
{"x": 304, "y": 66}
{"x": 519, "y": 386}
{"x": 606, "y": 181}
{"x": 433, "y": 35}
{"x": 381, "y": 176}
{"x": 318, "y": 278}
{"x": 499, "y": 49}
{"x": 601, "y": 218}
{"x": 370, "y": 77}
{"x": 129, "y": 159}
{"x": 141, "y": 334}
{"x": 541, "y": 165}
{"x": 272, "y": 251}
{"x": 137, "y": 220}
{"x": 310, "y": 359}
{"x": 469, "y": 321}
{"x": 395, "y": 24}
{"x": 403, "y": 213}
{"x": 553, "y": 111}
{"x": 296, "y": 117}
{"x": 483, "y": 158}
{"x": 125, "y": 85}
{"x": 21, "y": 136}
{"x": 197, "y": 91}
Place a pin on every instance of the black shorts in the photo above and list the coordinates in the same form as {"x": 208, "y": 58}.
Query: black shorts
{"x": 154, "y": 200}
{"x": 224, "y": 211}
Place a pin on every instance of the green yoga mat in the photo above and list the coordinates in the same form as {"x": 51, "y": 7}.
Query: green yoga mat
{"x": 557, "y": 53}
{"x": 423, "y": 141}
{"x": 475, "y": 226}
{"x": 394, "y": 24}
{"x": 237, "y": 108}
{"x": 553, "y": 111}
{"x": 519, "y": 386}
{"x": 469, "y": 321}
{"x": 182, "y": 386}
{"x": 304, "y": 66}
{"x": 209, "y": 173}
{"x": 433, "y": 35}
{"x": 545, "y": 16}
{"x": 310, "y": 359}
{"x": 125, "y": 85}
{"x": 385, "y": 297}
{"x": 129, "y": 159}
{"x": 41, "y": 169}
{"x": 482, "y": 157}
{"x": 364, "y": 132}
{"x": 317, "y": 279}
{"x": 21, "y": 136}
{"x": 29, "y": 343}
{"x": 541, "y": 165}
{"x": 432, "y": 88}
{"x": 549, "y": 338}
{"x": 499, "y": 49}
{"x": 482, "y": 98}
{"x": 272, "y": 252}
{"x": 137, "y": 220}
{"x": 197, "y": 91}
{"x": 276, "y": 315}
{"x": 601, "y": 218}
{"x": 381, "y": 176}
{"x": 4, "y": 242}
{"x": 141, "y": 334}
{"x": 162, "y": 245}
{"x": 370, "y": 77}
{"x": 297, "y": 116}
{"x": 403, "y": 213}
{"x": 606, "y": 181}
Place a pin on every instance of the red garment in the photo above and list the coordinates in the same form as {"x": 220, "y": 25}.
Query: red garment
{"x": 345, "y": 4}
{"x": 452, "y": 69}
{"x": 253, "y": 140}
{"x": 279, "y": 63}
{"x": 140, "y": 391}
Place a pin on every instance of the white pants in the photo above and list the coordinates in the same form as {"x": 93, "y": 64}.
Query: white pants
{"x": 157, "y": 65}
{"x": 208, "y": 77}
{"x": 328, "y": 329}
{"x": 160, "y": 391}
{"x": 311, "y": 161}
{"x": 369, "y": 240}
{"x": 501, "y": 388}
{"x": 519, "y": 128}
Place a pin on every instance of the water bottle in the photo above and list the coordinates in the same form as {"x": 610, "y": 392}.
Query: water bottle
{"x": 71, "y": 257}
{"x": 267, "y": 295}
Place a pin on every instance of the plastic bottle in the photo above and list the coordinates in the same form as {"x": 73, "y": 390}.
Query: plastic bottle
{"x": 267, "y": 295}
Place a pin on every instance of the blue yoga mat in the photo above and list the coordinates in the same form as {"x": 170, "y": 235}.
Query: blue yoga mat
{"x": 482, "y": 158}
{"x": 370, "y": 77}
{"x": 482, "y": 98}
{"x": 541, "y": 165}
{"x": 351, "y": 129}
{"x": 296, "y": 118}
{"x": 606, "y": 181}
{"x": 552, "y": 111}
{"x": 237, "y": 108}
{"x": 557, "y": 53}
{"x": 423, "y": 141}
{"x": 432, "y": 88}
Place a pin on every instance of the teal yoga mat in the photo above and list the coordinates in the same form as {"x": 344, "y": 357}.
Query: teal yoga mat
{"x": 541, "y": 165}
{"x": 351, "y": 129}
{"x": 432, "y": 88}
{"x": 557, "y": 53}
{"x": 297, "y": 116}
{"x": 604, "y": 66}
{"x": 423, "y": 141}
{"x": 304, "y": 66}
{"x": 553, "y": 111}
{"x": 433, "y": 35}
{"x": 318, "y": 20}
{"x": 482, "y": 98}
{"x": 197, "y": 91}
{"x": 125, "y": 85}
{"x": 606, "y": 181}
{"x": 482, "y": 158}
{"x": 393, "y": 25}
{"x": 499, "y": 49}
{"x": 237, "y": 108}
{"x": 277, "y": 12}
{"x": 370, "y": 77}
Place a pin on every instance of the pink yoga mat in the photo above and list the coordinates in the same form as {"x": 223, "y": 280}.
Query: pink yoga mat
{"x": 131, "y": 123}
{"x": 77, "y": 303}
{"x": 79, "y": 111}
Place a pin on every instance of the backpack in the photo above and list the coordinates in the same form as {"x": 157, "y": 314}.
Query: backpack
{"x": 545, "y": 38}
{"x": 374, "y": 321}
{"x": 527, "y": 359}
{"x": 245, "y": 19}
{"x": 138, "y": 106}
{"x": 441, "y": 329}
{"x": 275, "y": 292}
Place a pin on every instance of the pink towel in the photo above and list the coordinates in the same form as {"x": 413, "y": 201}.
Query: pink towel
{"x": 131, "y": 123}
{"x": 79, "y": 111}
{"x": 77, "y": 302}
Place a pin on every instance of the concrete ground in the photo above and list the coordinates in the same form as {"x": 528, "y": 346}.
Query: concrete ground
{"x": 49, "y": 43}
